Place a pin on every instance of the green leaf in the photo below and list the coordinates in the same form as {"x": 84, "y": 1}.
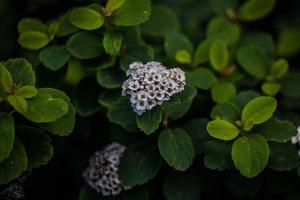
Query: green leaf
{"x": 27, "y": 92}
{"x": 86, "y": 97}
{"x": 64, "y": 125}
{"x": 196, "y": 129}
{"x": 201, "y": 78}
{"x": 85, "y": 45}
{"x": 261, "y": 40}
{"x": 37, "y": 144}
{"x": 110, "y": 78}
{"x": 244, "y": 97}
{"x": 137, "y": 193}
{"x": 290, "y": 85}
{"x": 31, "y": 24}
{"x": 223, "y": 92}
{"x": 176, "y": 147}
{"x": 277, "y": 130}
{"x": 7, "y": 135}
{"x": 54, "y": 57}
{"x": 179, "y": 104}
{"x": 250, "y": 154}
{"x": 113, "y": 5}
{"x": 132, "y": 12}
{"x": 15, "y": 164}
{"x": 108, "y": 98}
{"x": 227, "y": 111}
{"x": 288, "y": 41}
{"x": 258, "y": 111}
{"x": 283, "y": 156}
{"x": 218, "y": 155}
{"x": 21, "y": 71}
{"x": 65, "y": 27}
{"x": 149, "y": 121}
{"x": 182, "y": 186}
{"x": 270, "y": 88}
{"x": 279, "y": 68}
{"x": 6, "y": 79}
{"x": 222, "y": 130}
{"x": 143, "y": 54}
{"x": 162, "y": 21}
{"x": 45, "y": 108}
{"x": 18, "y": 103}
{"x": 183, "y": 56}
{"x": 122, "y": 113}
{"x": 202, "y": 52}
{"x": 175, "y": 42}
{"x": 146, "y": 164}
{"x": 219, "y": 55}
{"x": 253, "y": 10}
{"x": 86, "y": 18}
{"x": 221, "y": 7}
{"x": 112, "y": 42}
{"x": 253, "y": 61}
{"x": 33, "y": 40}
{"x": 221, "y": 26}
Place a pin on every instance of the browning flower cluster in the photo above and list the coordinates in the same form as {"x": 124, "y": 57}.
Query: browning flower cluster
{"x": 102, "y": 171}
{"x": 151, "y": 84}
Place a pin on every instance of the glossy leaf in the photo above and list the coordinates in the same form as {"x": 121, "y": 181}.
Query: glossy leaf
{"x": 149, "y": 121}
{"x": 7, "y": 135}
{"x": 222, "y": 129}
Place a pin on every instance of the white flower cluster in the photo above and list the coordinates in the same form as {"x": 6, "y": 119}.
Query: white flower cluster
{"x": 102, "y": 171}
{"x": 296, "y": 140}
{"x": 151, "y": 84}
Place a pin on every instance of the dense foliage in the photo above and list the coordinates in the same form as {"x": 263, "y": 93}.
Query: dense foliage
{"x": 225, "y": 133}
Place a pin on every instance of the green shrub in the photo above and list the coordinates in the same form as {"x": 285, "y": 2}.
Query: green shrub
{"x": 229, "y": 118}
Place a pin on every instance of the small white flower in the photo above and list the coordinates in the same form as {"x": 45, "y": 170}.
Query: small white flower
{"x": 151, "y": 84}
{"x": 102, "y": 172}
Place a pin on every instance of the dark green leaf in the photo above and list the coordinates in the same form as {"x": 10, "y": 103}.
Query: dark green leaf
{"x": 38, "y": 146}
{"x": 196, "y": 129}
{"x": 288, "y": 41}
{"x": 175, "y": 42}
{"x": 250, "y": 154}
{"x": 221, "y": 26}
{"x": 149, "y": 121}
{"x": 146, "y": 164}
{"x": 223, "y": 92}
{"x": 7, "y": 135}
{"x": 54, "y": 57}
{"x": 253, "y": 61}
{"x": 201, "y": 78}
{"x": 290, "y": 85}
{"x": 132, "y": 12}
{"x": 112, "y": 42}
{"x": 65, "y": 27}
{"x": 110, "y": 78}
{"x": 30, "y": 24}
{"x": 162, "y": 21}
{"x": 277, "y": 130}
{"x": 244, "y": 97}
{"x": 15, "y": 164}
{"x": 21, "y": 71}
{"x": 218, "y": 155}
{"x": 283, "y": 156}
{"x": 227, "y": 111}
{"x": 176, "y": 148}
{"x": 85, "y": 45}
